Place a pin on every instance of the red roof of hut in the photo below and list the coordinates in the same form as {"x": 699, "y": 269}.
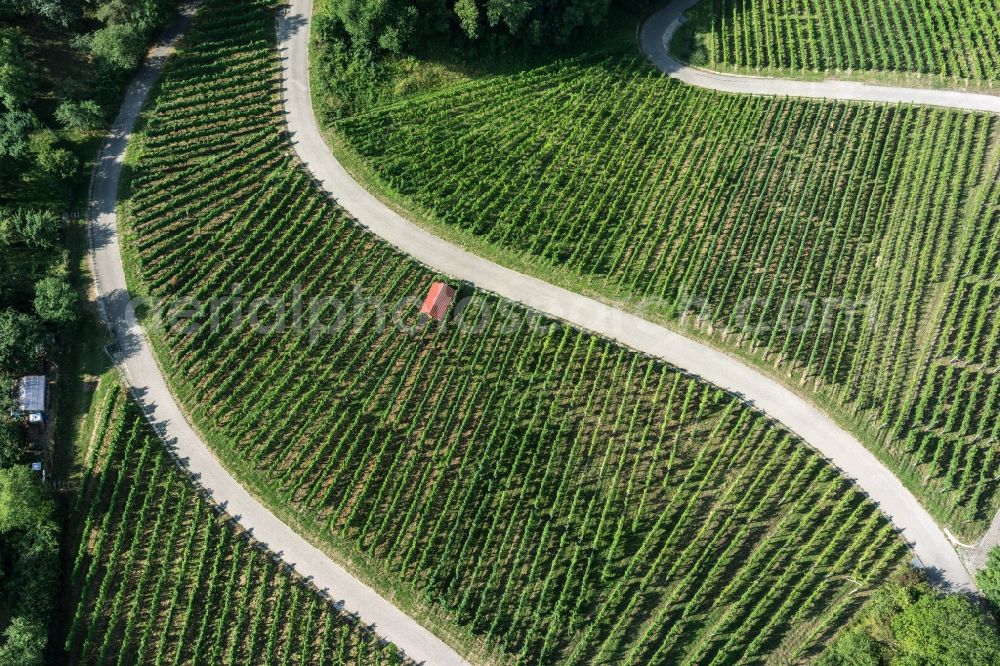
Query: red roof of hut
{"x": 438, "y": 301}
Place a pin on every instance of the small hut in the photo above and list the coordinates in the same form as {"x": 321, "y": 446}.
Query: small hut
{"x": 438, "y": 300}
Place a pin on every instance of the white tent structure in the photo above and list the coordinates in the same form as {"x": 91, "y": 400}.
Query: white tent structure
{"x": 31, "y": 397}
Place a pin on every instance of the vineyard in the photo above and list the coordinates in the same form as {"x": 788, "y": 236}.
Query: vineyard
{"x": 560, "y": 498}
{"x": 953, "y": 39}
{"x": 810, "y": 236}
{"x": 948, "y": 418}
{"x": 161, "y": 577}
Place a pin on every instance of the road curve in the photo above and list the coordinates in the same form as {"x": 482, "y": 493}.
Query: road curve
{"x": 847, "y": 453}
{"x": 661, "y": 26}
{"x": 139, "y": 367}
{"x": 655, "y": 37}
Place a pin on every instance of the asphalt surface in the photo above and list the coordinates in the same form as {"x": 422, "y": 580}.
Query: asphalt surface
{"x": 916, "y": 526}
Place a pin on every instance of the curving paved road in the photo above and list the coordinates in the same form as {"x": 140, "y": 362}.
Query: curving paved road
{"x": 135, "y": 359}
{"x": 659, "y": 28}
{"x": 847, "y": 453}
{"x": 138, "y": 365}
{"x": 655, "y": 38}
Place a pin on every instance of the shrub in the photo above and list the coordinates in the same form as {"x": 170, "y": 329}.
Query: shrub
{"x": 15, "y": 75}
{"x": 32, "y": 227}
{"x": 56, "y": 163}
{"x": 24, "y": 643}
{"x": 55, "y": 301}
{"x": 15, "y": 126}
{"x": 907, "y": 622}
{"x": 988, "y": 579}
{"x": 80, "y": 115}
{"x": 11, "y": 443}
{"x": 946, "y": 630}
{"x": 117, "y": 47}
{"x": 21, "y": 341}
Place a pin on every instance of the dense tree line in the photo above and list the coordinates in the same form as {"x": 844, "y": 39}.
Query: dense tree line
{"x": 360, "y": 41}
{"x": 63, "y": 64}
{"x": 112, "y": 34}
{"x": 48, "y": 105}
{"x": 29, "y": 564}
{"x": 390, "y": 25}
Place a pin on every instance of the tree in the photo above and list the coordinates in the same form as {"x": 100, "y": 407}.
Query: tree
{"x": 468, "y": 17}
{"x": 142, "y": 14}
{"x": 946, "y": 630}
{"x": 510, "y": 13}
{"x": 15, "y": 128}
{"x": 83, "y": 115}
{"x": 24, "y": 643}
{"x": 29, "y": 561}
{"x": 25, "y": 504}
{"x": 55, "y": 301}
{"x": 120, "y": 43}
{"x": 988, "y": 579}
{"x": 59, "y": 164}
{"x": 61, "y": 12}
{"x": 117, "y": 47}
{"x": 21, "y": 341}
{"x": 531, "y": 21}
{"x": 907, "y": 623}
{"x": 375, "y": 25}
{"x": 35, "y": 228}
{"x": 11, "y": 443}
{"x": 55, "y": 162}
{"x": 15, "y": 73}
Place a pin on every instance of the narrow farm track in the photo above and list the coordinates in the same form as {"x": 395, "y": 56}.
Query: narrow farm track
{"x": 135, "y": 358}
{"x": 845, "y": 451}
{"x": 660, "y": 28}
